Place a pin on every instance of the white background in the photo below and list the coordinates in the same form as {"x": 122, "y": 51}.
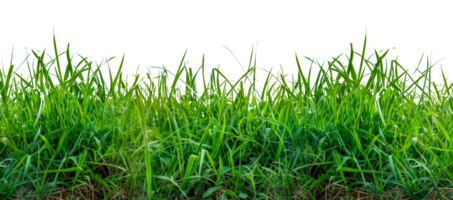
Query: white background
{"x": 410, "y": 54}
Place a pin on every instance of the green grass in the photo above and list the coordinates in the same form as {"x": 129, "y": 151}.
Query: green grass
{"x": 346, "y": 132}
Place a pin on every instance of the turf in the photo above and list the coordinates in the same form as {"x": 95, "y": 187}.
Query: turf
{"x": 373, "y": 130}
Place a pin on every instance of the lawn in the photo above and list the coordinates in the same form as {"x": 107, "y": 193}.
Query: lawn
{"x": 348, "y": 131}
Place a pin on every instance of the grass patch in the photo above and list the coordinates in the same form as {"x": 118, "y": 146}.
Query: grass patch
{"x": 370, "y": 131}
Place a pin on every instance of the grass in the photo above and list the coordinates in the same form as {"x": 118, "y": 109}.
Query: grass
{"x": 370, "y": 131}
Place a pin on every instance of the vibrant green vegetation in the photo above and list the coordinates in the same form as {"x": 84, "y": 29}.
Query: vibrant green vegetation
{"x": 355, "y": 131}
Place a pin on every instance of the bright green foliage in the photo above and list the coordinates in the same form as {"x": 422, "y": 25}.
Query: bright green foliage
{"x": 370, "y": 130}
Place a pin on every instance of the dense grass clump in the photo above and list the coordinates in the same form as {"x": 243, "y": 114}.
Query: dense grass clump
{"x": 373, "y": 130}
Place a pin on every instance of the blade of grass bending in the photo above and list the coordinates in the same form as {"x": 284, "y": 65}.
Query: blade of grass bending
{"x": 276, "y": 78}
{"x": 57, "y": 59}
{"x": 309, "y": 70}
{"x": 381, "y": 64}
{"x": 109, "y": 70}
{"x": 241, "y": 78}
{"x": 444, "y": 132}
{"x": 101, "y": 76}
{"x": 425, "y": 75}
{"x": 351, "y": 67}
{"x": 173, "y": 182}
{"x": 41, "y": 106}
{"x": 76, "y": 75}
{"x": 5, "y": 89}
{"x": 24, "y": 81}
{"x": 415, "y": 82}
{"x": 253, "y": 55}
{"x": 169, "y": 72}
{"x": 439, "y": 96}
{"x": 361, "y": 71}
{"x": 285, "y": 85}
{"x": 40, "y": 70}
{"x": 337, "y": 60}
{"x": 404, "y": 70}
{"x": 23, "y": 61}
{"x": 397, "y": 88}
{"x": 46, "y": 72}
{"x": 117, "y": 76}
{"x": 72, "y": 169}
{"x": 178, "y": 72}
{"x": 416, "y": 69}
{"x": 347, "y": 78}
{"x": 428, "y": 79}
{"x": 347, "y": 169}
{"x": 217, "y": 80}
{"x": 30, "y": 74}
{"x": 320, "y": 80}
{"x": 80, "y": 64}
{"x": 231, "y": 85}
{"x": 37, "y": 69}
{"x": 305, "y": 83}
{"x": 131, "y": 89}
{"x": 445, "y": 89}
{"x": 51, "y": 64}
{"x": 204, "y": 82}
{"x": 68, "y": 69}
{"x": 301, "y": 76}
